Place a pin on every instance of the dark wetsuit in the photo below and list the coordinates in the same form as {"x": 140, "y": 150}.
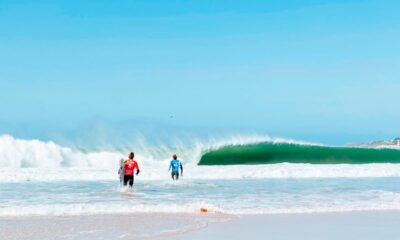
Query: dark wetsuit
{"x": 128, "y": 179}
{"x": 129, "y": 168}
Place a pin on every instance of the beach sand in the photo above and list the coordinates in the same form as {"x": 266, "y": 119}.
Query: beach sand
{"x": 133, "y": 226}
{"x": 371, "y": 225}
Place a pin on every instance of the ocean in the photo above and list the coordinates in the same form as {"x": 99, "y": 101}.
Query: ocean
{"x": 236, "y": 176}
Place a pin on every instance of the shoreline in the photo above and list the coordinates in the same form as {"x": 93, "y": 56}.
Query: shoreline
{"x": 106, "y": 226}
{"x": 365, "y": 225}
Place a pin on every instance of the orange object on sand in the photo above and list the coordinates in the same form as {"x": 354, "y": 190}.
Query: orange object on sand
{"x": 203, "y": 210}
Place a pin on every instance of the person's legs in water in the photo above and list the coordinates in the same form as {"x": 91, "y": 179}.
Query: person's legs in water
{"x": 131, "y": 181}
{"x": 128, "y": 180}
{"x": 175, "y": 175}
{"x": 125, "y": 180}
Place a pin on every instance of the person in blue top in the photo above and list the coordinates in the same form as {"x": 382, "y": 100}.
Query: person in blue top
{"x": 174, "y": 166}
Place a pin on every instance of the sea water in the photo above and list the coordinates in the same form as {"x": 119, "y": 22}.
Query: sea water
{"x": 231, "y": 196}
{"x": 45, "y": 179}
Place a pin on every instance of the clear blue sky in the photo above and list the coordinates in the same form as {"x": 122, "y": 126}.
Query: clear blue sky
{"x": 321, "y": 70}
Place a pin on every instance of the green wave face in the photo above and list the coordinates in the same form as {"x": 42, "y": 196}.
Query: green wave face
{"x": 266, "y": 153}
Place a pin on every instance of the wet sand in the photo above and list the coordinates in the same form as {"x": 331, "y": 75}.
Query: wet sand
{"x": 374, "y": 225}
{"x": 133, "y": 226}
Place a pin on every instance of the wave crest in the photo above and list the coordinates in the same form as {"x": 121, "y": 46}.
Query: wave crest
{"x": 18, "y": 153}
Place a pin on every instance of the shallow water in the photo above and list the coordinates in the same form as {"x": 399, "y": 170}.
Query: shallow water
{"x": 244, "y": 196}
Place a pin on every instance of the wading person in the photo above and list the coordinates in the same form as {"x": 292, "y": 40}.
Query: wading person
{"x": 121, "y": 171}
{"x": 129, "y": 170}
{"x": 174, "y": 166}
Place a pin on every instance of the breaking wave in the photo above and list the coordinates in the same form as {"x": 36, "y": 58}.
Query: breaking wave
{"x": 259, "y": 157}
{"x": 267, "y": 153}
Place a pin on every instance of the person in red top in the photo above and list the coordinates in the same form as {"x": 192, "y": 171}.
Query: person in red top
{"x": 129, "y": 169}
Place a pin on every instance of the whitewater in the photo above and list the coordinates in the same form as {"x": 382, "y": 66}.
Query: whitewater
{"x": 33, "y": 160}
{"x": 43, "y": 178}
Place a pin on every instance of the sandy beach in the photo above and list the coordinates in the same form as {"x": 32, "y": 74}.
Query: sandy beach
{"x": 369, "y": 225}
{"x": 132, "y": 226}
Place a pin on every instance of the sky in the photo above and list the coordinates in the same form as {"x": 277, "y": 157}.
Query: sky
{"x": 318, "y": 70}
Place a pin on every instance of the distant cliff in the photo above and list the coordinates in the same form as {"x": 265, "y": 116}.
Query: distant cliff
{"x": 395, "y": 143}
